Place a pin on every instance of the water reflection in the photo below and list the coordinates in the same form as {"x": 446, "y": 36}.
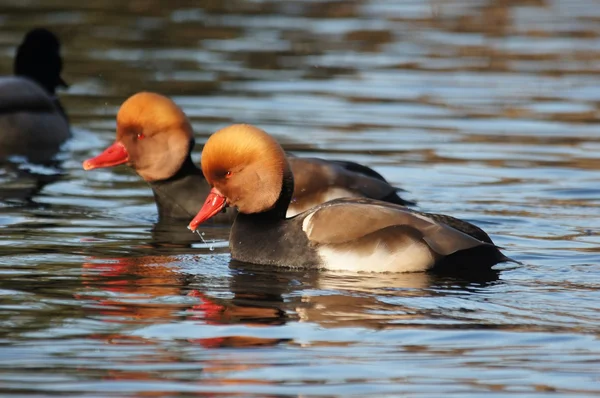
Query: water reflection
{"x": 138, "y": 290}
{"x": 138, "y": 293}
{"x": 21, "y": 180}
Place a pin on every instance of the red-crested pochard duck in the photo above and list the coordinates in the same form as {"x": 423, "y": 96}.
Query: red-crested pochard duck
{"x": 248, "y": 170}
{"x": 31, "y": 117}
{"x": 155, "y": 137}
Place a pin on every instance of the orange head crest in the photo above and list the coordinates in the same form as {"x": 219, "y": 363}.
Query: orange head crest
{"x": 246, "y": 168}
{"x": 153, "y": 137}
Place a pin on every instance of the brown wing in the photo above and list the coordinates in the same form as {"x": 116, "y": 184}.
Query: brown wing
{"x": 312, "y": 175}
{"x": 347, "y": 220}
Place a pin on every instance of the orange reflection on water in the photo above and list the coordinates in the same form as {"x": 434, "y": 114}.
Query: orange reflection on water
{"x": 128, "y": 291}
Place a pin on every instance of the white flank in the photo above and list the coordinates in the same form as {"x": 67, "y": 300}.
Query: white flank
{"x": 414, "y": 257}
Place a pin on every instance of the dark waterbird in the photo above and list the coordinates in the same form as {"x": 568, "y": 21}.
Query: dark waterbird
{"x": 32, "y": 120}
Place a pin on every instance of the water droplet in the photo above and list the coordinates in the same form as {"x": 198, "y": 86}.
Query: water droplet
{"x": 200, "y": 235}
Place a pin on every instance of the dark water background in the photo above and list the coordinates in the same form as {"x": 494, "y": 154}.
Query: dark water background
{"x": 485, "y": 110}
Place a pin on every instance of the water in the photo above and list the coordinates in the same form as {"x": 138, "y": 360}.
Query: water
{"x": 485, "y": 110}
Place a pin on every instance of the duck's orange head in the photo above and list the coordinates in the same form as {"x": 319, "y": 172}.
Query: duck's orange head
{"x": 154, "y": 137}
{"x": 246, "y": 167}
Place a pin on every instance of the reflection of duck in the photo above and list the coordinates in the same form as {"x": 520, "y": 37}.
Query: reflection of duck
{"x": 372, "y": 301}
{"x": 20, "y": 182}
{"x": 248, "y": 170}
{"x": 333, "y": 299}
{"x": 155, "y": 137}
{"x": 145, "y": 290}
{"x": 131, "y": 280}
{"x": 32, "y": 121}
{"x": 136, "y": 286}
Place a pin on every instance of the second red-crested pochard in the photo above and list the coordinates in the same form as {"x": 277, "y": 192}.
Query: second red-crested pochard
{"x": 248, "y": 170}
{"x": 155, "y": 137}
{"x": 32, "y": 121}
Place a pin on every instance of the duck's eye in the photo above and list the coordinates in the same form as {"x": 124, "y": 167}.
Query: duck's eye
{"x": 228, "y": 174}
{"x": 140, "y": 136}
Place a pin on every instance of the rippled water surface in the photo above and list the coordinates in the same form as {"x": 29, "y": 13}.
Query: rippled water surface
{"x": 485, "y": 110}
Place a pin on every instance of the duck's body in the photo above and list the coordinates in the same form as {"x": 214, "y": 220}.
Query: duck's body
{"x": 29, "y": 117}
{"x": 247, "y": 169}
{"x": 32, "y": 121}
{"x": 359, "y": 234}
{"x": 162, "y": 158}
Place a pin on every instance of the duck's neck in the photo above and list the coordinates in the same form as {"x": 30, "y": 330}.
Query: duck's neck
{"x": 287, "y": 192}
{"x": 182, "y": 195}
{"x": 269, "y": 238}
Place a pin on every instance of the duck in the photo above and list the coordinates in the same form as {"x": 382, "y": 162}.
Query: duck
{"x": 32, "y": 120}
{"x": 155, "y": 138}
{"x": 247, "y": 169}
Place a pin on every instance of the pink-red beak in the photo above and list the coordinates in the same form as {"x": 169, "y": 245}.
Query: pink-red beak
{"x": 214, "y": 203}
{"x": 112, "y": 156}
